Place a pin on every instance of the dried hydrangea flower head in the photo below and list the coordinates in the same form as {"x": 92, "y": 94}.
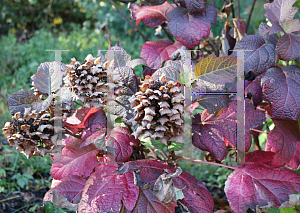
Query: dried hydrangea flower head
{"x": 89, "y": 80}
{"x": 159, "y": 109}
{"x": 33, "y": 133}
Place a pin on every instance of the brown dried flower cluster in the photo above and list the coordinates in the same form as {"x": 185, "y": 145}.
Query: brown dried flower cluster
{"x": 33, "y": 133}
{"x": 159, "y": 110}
{"x": 89, "y": 80}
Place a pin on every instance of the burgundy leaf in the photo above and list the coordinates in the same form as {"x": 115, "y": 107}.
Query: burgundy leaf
{"x": 149, "y": 203}
{"x": 74, "y": 160}
{"x": 281, "y": 87}
{"x": 213, "y": 133}
{"x": 294, "y": 163}
{"x": 190, "y": 28}
{"x": 280, "y": 13}
{"x": 254, "y": 91}
{"x": 259, "y": 56}
{"x": 19, "y": 101}
{"x": 123, "y": 142}
{"x": 84, "y": 118}
{"x": 155, "y": 52}
{"x": 288, "y": 47}
{"x": 283, "y": 140}
{"x": 94, "y": 135}
{"x": 209, "y": 132}
{"x": 153, "y": 16}
{"x": 257, "y": 184}
{"x": 105, "y": 191}
{"x": 147, "y": 71}
{"x": 70, "y": 187}
{"x": 193, "y": 6}
{"x": 196, "y": 196}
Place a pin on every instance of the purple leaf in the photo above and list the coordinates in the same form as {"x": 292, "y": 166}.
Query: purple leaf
{"x": 153, "y": 16}
{"x": 281, "y": 87}
{"x": 213, "y": 133}
{"x": 94, "y": 135}
{"x": 119, "y": 55}
{"x": 210, "y": 132}
{"x": 149, "y": 203}
{"x": 74, "y": 160}
{"x": 47, "y": 79}
{"x": 190, "y": 28}
{"x": 123, "y": 142}
{"x": 193, "y": 6}
{"x": 294, "y": 163}
{"x": 280, "y": 13}
{"x": 196, "y": 196}
{"x": 19, "y": 101}
{"x": 70, "y": 187}
{"x": 106, "y": 191}
{"x": 264, "y": 30}
{"x": 257, "y": 184}
{"x": 283, "y": 140}
{"x": 254, "y": 90}
{"x": 288, "y": 47}
{"x": 259, "y": 56}
{"x": 155, "y": 52}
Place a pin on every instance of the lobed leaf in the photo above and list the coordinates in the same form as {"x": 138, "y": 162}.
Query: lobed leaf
{"x": 74, "y": 160}
{"x": 252, "y": 185}
{"x": 106, "y": 191}
{"x": 156, "y": 52}
{"x": 281, "y": 88}
{"x": 193, "y": 6}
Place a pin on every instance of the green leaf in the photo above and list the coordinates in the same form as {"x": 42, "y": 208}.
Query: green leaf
{"x": 22, "y": 182}
{"x": 175, "y": 146}
{"x": 118, "y": 120}
{"x": 28, "y": 176}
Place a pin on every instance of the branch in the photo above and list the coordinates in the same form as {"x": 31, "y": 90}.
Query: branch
{"x": 168, "y": 33}
{"x": 201, "y": 161}
{"x": 238, "y": 8}
{"x": 250, "y": 14}
{"x": 131, "y": 24}
{"x": 232, "y": 9}
{"x": 214, "y": 46}
{"x": 256, "y": 130}
{"x": 69, "y": 133}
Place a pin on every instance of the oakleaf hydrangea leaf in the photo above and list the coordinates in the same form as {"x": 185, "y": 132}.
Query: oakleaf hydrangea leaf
{"x": 19, "y": 101}
{"x": 120, "y": 56}
{"x": 153, "y": 16}
{"x": 47, "y": 79}
{"x": 193, "y": 6}
{"x": 190, "y": 28}
{"x": 281, "y": 87}
{"x": 259, "y": 56}
{"x": 106, "y": 191}
{"x": 288, "y": 47}
{"x": 156, "y": 52}
{"x": 74, "y": 160}
{"x": 259, "y": 183}
{"x": 283, "y": 140}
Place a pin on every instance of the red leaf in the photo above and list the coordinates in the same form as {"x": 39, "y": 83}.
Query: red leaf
{"x": 294, "y": 163}
{"x": 190, "y": 28}
{"x": 70, "y": 187}
{"x": 105, "y": 191}
{"x": 149, "y": 203}
{"x": 211, "y": 133}
{"x": 84, "y": 118}
{"x": 153, "y": 16}
{"x": 197, "y": 197}
{"x": 123, "y": 142}
{"x": 155, "y": 52}
{"x": 92, "y": 134}
{"x": 74, "y": 160}
{"x": 147, "y": 71}
{"x": 257, "y": 184}
{"x": 281, "y": 87}
{"x": 283, "y": 140}
{"x": 288, "y": 47}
